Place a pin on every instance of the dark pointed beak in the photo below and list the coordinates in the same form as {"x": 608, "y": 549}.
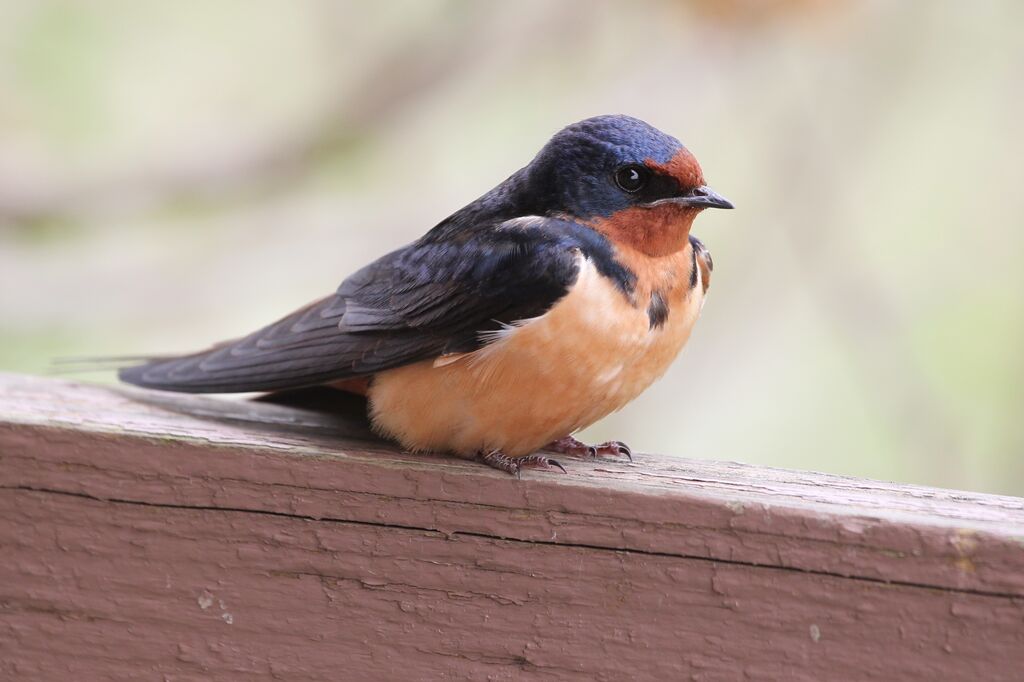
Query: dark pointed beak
{"x": 704, "y": 197}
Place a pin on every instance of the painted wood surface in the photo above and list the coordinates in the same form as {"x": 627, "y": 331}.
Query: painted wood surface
{"x": 156, "y": 536}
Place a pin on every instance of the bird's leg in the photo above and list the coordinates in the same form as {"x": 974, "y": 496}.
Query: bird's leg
{"x": 514, "y": 465}
{"x": 567, "y": 445}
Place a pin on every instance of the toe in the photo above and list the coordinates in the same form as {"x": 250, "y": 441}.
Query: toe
{"x": 539, "y": 462}
{"x": 615, "y": 448}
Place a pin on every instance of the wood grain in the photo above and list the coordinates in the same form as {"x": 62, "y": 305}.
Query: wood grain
{"x": 155, "y": 536}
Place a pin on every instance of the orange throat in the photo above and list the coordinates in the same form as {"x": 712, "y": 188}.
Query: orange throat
{"x": 656, "y": 231}
{"x": 661, "y": 230}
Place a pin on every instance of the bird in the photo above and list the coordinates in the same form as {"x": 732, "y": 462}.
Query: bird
{"x": 534, "y": 311}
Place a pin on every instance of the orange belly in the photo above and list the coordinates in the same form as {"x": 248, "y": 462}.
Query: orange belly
{"x": 543, "y": 378}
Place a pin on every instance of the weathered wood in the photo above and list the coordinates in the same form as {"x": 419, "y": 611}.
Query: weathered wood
{"x": 149, "y": 535}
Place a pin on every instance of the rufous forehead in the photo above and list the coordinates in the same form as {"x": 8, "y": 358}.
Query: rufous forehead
{"x": 683, "y": 167}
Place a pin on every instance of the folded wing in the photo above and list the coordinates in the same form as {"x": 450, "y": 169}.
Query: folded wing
{"x": 438, "y": 295}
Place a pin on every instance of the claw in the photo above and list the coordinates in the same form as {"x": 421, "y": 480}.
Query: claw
{"x": 556, "y": 463}
{"x": 570, "y": 446}
{"x": 617, "y": 447}
{"x": 515, "y": 465}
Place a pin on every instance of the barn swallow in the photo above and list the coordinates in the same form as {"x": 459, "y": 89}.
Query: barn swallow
{"x": 549, "y": 302}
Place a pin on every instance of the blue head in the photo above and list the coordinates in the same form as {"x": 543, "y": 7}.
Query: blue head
{"x": 596, "y": 168}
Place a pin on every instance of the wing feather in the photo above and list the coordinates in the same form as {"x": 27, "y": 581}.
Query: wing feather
{"x": 439, "y": 295}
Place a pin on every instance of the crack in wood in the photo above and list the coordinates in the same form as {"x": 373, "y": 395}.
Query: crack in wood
{"x": 501, "y": 538}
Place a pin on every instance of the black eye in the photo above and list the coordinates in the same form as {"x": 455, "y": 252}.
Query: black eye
{"x": 631, "y": 178}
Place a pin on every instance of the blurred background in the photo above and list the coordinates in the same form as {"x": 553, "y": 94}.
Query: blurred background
{"x": 172, "y": 174}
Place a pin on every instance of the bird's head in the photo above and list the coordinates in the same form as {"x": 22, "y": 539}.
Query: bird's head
{"x": 623, "y": 178}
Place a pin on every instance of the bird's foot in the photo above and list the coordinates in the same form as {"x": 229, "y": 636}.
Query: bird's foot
{"x": 514, "y": 465}
{"x": 568, "y": 445}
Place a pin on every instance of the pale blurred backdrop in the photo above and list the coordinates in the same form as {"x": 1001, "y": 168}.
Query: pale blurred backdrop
{"x": 175, "y": 173}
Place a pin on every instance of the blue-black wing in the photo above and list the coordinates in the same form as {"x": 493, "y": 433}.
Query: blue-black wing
{"x": 435, "y": 296}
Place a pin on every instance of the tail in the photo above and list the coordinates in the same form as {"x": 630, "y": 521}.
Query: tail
{"x": 219, "y": 371}
{"x": 304, "y": 349}
{"x": 84, "y": 364}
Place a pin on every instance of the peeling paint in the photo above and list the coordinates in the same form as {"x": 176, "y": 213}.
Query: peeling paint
{"x": 965, "y": 543}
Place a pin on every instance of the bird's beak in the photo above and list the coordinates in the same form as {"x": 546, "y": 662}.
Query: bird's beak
{"x": 703, "y": 197}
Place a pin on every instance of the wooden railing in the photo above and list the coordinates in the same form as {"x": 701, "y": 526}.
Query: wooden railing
{"x": 154, "y": 536}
